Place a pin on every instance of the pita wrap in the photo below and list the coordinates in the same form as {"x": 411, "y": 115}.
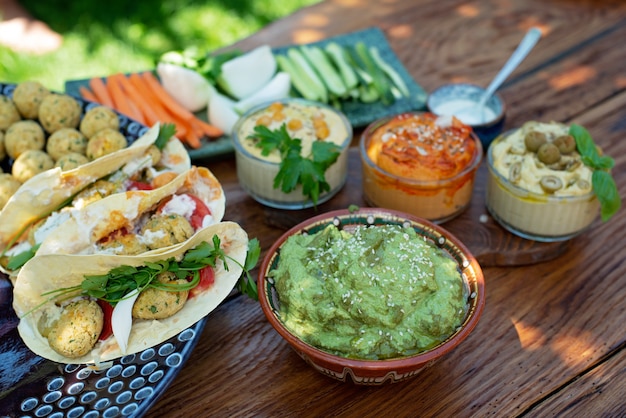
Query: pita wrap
{"x": 51, "y": 272}
{"x": 46, "y": 192}
{"x": 82, "y": 232}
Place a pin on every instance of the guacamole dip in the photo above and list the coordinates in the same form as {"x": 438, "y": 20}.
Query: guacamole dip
{"x": 377, "y": 293}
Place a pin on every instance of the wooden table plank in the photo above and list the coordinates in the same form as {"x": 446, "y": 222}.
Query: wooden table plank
{"x": 551, "y": 333}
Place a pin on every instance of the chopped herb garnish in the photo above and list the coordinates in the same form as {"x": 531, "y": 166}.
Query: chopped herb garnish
{"x": 601, "y": 180}
{"x": 295, "y": 169}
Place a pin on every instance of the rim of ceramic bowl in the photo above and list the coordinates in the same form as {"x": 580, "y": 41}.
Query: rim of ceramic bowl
{"x": 426, "y": 184}
{"x": 406, "y": 362}
{"x": 496, "y": 95}
{"x": 235, "y": 131}
{"x": 520, "y": 191}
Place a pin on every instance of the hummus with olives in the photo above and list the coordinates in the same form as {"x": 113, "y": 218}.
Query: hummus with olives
{"x": 377, "y": 293}
{"x": 304, "y": 120}
{"x": 524, "y": 167}
{"x": 420, "y": 163}
{"x": 538, "y": 187}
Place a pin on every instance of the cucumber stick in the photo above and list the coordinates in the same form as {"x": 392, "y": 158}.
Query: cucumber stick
{"x": 325, "y": 69}
{"x": 338, "y": 56}
{"x": 308, "y": 73}
{"x": 297, "y": 80}
{"x": 363, "y": 55}
{"x": 389, "y": 71}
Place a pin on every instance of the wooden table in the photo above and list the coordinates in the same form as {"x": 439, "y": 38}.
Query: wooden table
{"x": 552, "y": 338}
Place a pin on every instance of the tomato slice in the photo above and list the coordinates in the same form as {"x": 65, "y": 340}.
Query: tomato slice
{"x": 138, "y": 185}
{"x": 198, "y": 214}
{"x": 207, "y": 278}
{"x": 107, "y": 328}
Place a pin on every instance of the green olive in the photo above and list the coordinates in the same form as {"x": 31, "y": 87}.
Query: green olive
{"x": 583, "y": 184}
{"x": 566, "y": 144}
{"x": 548, "y": 153}
{"x": 572, "y": 165}
{"x": 550, "y": 184}
{"x": 534, "y": 139}
{"x": 515, "y": 172}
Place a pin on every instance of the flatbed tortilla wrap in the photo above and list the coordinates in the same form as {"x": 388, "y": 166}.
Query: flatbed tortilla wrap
{"x": 85, "y": 228}
{"x": 51, "y": 272}
{"x": 45, "y": 192}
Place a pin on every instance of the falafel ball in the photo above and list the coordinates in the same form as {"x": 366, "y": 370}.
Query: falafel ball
{"x": 8, "y": 187}
{"x": 78, "y": 328}
{"x": 59, "y": 111}
{"x": 97, "y": 119}
{"x": 3, "y": 151}
{"x": 105, "y": 142}
{"x": 28, "y": 96}
{"x": 23, "y": 136}
{"x": 31, "y": 163}
{"x": 98, "y": 190}
{"x": 8, "y": 113}
{"x": 71, "y": 161}
{"x": 164, "y": 230}
{"x": 127, "y": 244}
{"x": 65, "y": 141}
{"x": 155, "y": 303}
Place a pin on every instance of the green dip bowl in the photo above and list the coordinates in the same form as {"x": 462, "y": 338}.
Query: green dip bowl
{"x": 366, "y": 371}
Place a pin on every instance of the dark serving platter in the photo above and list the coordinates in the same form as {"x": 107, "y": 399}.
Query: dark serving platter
{"x": 31, "y": 386}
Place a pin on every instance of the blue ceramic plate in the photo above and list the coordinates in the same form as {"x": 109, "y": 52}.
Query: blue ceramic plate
{"x": 33, "y": 386}
{"x": 359, "y": 114}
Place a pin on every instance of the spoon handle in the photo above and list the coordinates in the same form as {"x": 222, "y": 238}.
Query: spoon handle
{"x": 529, "y": 41}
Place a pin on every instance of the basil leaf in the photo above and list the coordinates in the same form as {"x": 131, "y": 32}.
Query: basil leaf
{"x": 606, "y": 191}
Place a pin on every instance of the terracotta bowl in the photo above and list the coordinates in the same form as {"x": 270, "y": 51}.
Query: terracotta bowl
{"x": 375, "y": 372}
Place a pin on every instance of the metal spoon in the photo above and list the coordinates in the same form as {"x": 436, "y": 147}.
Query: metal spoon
{"x": 527, "y": 43}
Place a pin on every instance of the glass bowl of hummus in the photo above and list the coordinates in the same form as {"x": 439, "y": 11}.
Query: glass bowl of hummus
{"x": 306, "y": 121}
{"x": 420, "y": 163}
{"x": 538, "y": 187}
{"x": 371, "y": 296}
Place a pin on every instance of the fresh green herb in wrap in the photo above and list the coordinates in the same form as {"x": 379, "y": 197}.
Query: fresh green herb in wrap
{"x": 94, "y": 308}
{"x": 137, "y": 221}
{"x": 142, "y": 165}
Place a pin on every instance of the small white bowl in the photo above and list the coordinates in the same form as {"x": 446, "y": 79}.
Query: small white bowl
{"x": 450, "y": 99}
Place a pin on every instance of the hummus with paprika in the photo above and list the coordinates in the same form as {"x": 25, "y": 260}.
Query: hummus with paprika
{"x": 420, "y": 163}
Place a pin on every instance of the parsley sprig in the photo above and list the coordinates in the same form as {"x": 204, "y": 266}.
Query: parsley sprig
{"x": 295, "y": 169}
{"x": 601, "y": 180}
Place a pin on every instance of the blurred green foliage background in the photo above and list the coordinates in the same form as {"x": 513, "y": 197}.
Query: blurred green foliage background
{"x": 105, "y": 37}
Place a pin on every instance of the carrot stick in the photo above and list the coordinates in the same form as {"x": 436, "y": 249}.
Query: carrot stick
{"x": 165, "y": 99}
{"x": 192, "y": 138}
{"x": 155, "y": 104}
{"x": 87, "y": 94}
{"x": 119, "y": 99}
{"x": 140, "y": 102}
{"x": 99, "y": 89}
{"x": 207, "y": 129}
